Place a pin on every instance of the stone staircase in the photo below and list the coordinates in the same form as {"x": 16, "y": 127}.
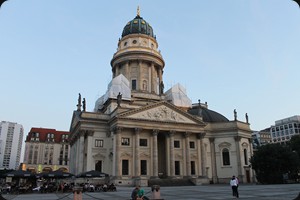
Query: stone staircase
{"x": 170, "y": 182}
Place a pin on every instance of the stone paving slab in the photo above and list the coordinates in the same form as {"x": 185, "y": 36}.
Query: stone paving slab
{"x": 206, "y": 192}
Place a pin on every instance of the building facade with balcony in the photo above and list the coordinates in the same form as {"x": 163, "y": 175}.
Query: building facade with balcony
{"x": 46, "y": 150}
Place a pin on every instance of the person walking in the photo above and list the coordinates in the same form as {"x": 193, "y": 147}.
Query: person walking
{"x": 234, "y": 186}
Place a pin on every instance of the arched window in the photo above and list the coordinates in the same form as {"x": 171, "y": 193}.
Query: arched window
{"x": 226, "y": 157}
{"x": 246, "y": 156}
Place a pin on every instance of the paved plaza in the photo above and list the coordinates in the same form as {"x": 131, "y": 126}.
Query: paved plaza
{"x": 207, "y": 192}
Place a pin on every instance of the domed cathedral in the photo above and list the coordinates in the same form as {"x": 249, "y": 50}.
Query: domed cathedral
{"x": 140, "y": 134}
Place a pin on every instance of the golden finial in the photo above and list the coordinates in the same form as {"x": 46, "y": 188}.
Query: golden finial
{"x": 138, "y": 11}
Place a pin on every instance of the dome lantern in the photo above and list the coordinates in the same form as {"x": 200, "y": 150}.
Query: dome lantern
{"x": 138, "y": 26}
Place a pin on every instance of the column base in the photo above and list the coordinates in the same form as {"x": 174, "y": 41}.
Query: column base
{"x": 201, "y": 180}
{"x": 154, "y": 177}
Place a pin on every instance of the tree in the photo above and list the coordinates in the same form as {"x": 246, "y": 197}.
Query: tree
{"x": 272, "y": 161}
{"x": 294, "y": 144}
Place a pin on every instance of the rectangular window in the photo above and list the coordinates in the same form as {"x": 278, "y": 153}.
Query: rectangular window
{"x": 98, "y": 143}
{"x": 226, "y": 157}
{"x": 143, "y": 167}
{"x": 177, "y": 168}
{"x": 177, "y": 144}
{"x": 125, "y": 167}
{"x": 133, "y": 84}
{"x": 143, "y": 142}
{"x": 245, "y": 157}
{"x": 192, "y": 145}
{"x": 125, "y": 141}
{"x": 193, "y": 168}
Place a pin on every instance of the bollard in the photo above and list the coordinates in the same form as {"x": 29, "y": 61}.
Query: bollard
{"x": 155, "y": 192}
{"x": 77, "y": 191}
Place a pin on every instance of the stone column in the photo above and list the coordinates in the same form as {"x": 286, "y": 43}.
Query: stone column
{"x": 77, "y": 154}
{"x": 81, "y": 152}
{"x": 90, "y": 160}
{"x": 153, "y": 78}
{"x": 136, "y": 153}
{"x": 127, "y": 70}
{"x": 187, "y": 155}
{"x": 116, "y": 158}
{"x": 140, "y": 79}
{"x": 172, "y": 156}
{"x": 117, "y": 70}
{"x": 202, "y": 155}
{"x": 252, "y": 172}
{"x": 155, "y": 154}
{"x": 213, "y": 160}
{"x": 238, "y": 156}
{"x": 73, "y": 156}
{"x": 160, "y": 74}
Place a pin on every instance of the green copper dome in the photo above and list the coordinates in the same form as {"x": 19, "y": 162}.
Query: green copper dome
{"x": 138, "y": 26}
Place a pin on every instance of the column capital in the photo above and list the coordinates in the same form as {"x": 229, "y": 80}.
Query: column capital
{"x": 186, "y": 134}
{"x": 155, "y": 132}
{"x": 171, "y": 133}
{"x": 201, "y": 135}
{"x": 137, "y": 130}
{"x": 86, "y": 132}
{"x": 237, "y": 138}
{"x": 116, "y": 129}
{"x": 212, "y": 139}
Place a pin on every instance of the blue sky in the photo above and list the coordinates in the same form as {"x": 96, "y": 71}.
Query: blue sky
{"x": 233, "y": 54}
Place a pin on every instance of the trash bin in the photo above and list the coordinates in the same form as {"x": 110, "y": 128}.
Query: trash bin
{"x": 155, "y": 192}
{"x": 77, "y": 191}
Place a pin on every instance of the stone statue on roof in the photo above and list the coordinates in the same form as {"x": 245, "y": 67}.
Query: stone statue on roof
{"x": 119, "y": 99}
{"x": 84, "y": 104}
{"x": 79, "y": 102}
{"x": 235, "y": 114}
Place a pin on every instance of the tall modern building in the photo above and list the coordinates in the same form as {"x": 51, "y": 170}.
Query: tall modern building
{"x": 46, "y": 150}
{"x": 139, "y": 133}
{"x": 285, "y": 128}
{"x": 11, "y": 140}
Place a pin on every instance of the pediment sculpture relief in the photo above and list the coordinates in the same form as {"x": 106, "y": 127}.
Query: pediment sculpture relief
{"x": 162, "y": 113}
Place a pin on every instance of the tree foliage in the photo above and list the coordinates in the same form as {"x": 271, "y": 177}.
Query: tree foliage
{"x": 294, "y": 144}
{"x": 272, "y": 161}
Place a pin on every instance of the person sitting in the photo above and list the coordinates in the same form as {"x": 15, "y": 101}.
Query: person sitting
{"x": 134, "y": 193}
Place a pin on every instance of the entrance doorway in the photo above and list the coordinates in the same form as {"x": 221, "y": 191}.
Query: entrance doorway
{"x": 162, "y": 158}
{"x": 98, "y": 166}
{"x": 248, "y": 176}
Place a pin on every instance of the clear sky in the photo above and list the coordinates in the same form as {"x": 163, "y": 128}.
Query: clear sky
{"x": 233, "y": 54}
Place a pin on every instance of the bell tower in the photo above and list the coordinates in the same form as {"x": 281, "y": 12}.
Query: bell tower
{"x": 139, "y": 59}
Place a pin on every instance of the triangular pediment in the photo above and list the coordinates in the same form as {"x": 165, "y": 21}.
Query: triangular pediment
{"x": 164, "y": 112}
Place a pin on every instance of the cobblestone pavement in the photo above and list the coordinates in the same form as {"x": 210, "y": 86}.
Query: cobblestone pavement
{"x": 207, "y": 192}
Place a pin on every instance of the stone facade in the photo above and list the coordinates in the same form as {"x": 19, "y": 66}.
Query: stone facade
{"x": 148, "y": 137}
{"x": 46, "y": 150}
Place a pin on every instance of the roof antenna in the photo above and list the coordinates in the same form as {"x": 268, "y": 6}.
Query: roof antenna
{"x": 138, "y": 11}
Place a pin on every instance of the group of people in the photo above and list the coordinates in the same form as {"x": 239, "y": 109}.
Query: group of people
{"x": 138, "y": 194}
{"x": 234, "y": 183}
